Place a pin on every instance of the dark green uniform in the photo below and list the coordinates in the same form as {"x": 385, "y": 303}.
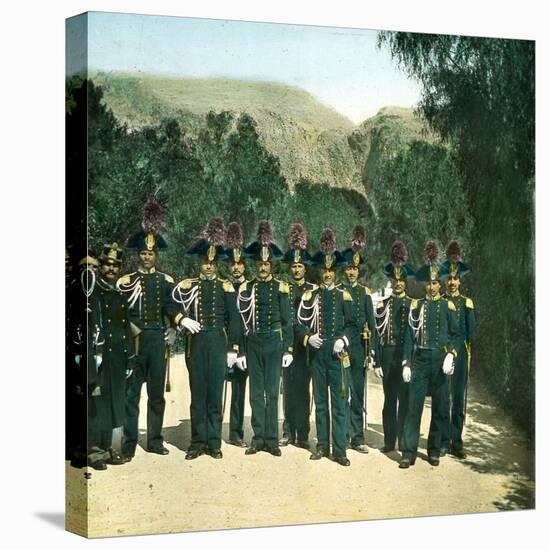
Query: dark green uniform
{"x": 327, "y": 311}
{"x": 465, "y": 327}
{"x": 211, "y": 302}
{"x": 267, "y": 316}
{"x": 150, "y": 306}
{"x": 363, "y": 339}
{"x": 297, "y": 377}
{"x": 427, "y": 340}
{"x": 238, "y": 379}
{"x": 392, "y": 317}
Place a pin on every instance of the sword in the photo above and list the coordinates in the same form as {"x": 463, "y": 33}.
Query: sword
{"x": 225, "y": 384}
{"x": 468, "y": 349}
{"x": 167, "y": 359}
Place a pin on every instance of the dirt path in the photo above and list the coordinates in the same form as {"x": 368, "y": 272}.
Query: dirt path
{"x": 155, "y": 494}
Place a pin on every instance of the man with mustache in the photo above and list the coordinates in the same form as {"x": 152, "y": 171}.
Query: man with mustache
{"x": 265, "y": 309}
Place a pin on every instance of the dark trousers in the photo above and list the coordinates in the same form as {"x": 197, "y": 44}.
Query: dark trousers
{"x": 99, "y": 427}
{"x": 297, "y": 396}
{"x": 453, "y": 424}
{"x": 395, "y": 393}
{"x": 356, "y": 405}
{"x": 151, "y": 370}
{"x": 426, "y": 372}
{"x": 328, "y": 377}
{"x": 207, "y": 365}
{"x": 238, "y": 392}
{"x": 264, "y": 359}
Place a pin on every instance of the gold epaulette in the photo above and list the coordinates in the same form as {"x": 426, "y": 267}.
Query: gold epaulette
{"x": 469, "y": 303}
{"x": 243, "y": 286}
{"x": 414, "y": 303}
{"x": 307, "y": 295}
{"x": 367, "y": 290}
{"x": 283, "y": 287}
{"x": 227, "y": 286}
{"x": 451, "y": 305}
{"x": 185, "y": 284}
{"x": 347, "y": 295}
{"x": 168, "y": 278}
{"x": 125, "y": 279}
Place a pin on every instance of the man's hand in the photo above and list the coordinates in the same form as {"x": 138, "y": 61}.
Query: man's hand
{"x": 315, "y": 341}
{"x": 232, "y": 358}
{"x": 129, "y": 372}
{"x": 169, "y": 336}
{"x": 287, "y": 359}
{"x": 190, "y": 324}
{"x": 98, "y": 361}
{"x": 406, "y": 374}
{"x": 448, "y": 364}
{"x": 378, "y": 372}
{"x": 77, "y": 359}
{"x": 241, "y": 362}
{"x": 339, "y": 345}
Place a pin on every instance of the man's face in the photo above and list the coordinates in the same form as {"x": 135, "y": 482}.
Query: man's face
{"x": 207, "y": 268}
{"x": 433, "y": 288}
{"x": 263, "y": 269}
{"x": 351, "y": 272}
{"x": 453, "y": 284}
{"x": 110, "y": 270}
{"x": 237, "y": 269}
{"x": 328, "y": 276}
{"x": 399, "y": 286}
{"x": 298, "y": 271}
{"x": 147, "y": 258}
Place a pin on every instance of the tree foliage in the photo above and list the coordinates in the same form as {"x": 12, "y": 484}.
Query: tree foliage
{"x": 478, "y": 94}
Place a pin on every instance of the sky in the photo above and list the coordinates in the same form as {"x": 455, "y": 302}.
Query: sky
{"x": 342, "y": 68}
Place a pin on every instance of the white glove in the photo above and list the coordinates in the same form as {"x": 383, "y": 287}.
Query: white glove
{"x": 287, "y": 359}
{"x": 241, "y": 363}
{"x": 406, "y": 374}
{"x": 77, "y": 359}
{"x": 232, "y": 358}
{"x": 315, "y": 341}
{"x": 378, "y": 372}
{"x": 190, "y": 324}
{"x": 339, "y": 344}
{"x": 371, "y": 364}
{"x": 98, "y": 361}
{"x": 448, "y": 364}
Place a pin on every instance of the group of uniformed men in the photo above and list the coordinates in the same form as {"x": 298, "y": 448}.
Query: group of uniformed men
{"x": 266, "y": 330}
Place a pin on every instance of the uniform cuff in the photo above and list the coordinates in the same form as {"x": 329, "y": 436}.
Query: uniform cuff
{"x": 305, "y": 340}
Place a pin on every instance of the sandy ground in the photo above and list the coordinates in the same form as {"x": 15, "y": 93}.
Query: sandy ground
{"x": 157, "y": 494}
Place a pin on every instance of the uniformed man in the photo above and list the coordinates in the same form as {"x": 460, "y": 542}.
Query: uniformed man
{"x": 152, "y": 310}
{"x": 297, "y": 377}
{"x": 392, "y": 322}
{"x": 363, "y": 340}
{"x": 265, "y": 308}
{"x": 119, "y": 357}
{"x": 212, "y": 341}
{"x": 238, "y": 375}
{"x": 465, "y": 320}
{"x": 428, "y": 359}
{"x": 324, "y": 314}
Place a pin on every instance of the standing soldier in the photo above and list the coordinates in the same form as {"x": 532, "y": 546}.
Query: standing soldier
{"x": 237, "y": 374}
{"x": 151, "y": 309}
{"x": 211, "y": 317}
{"x": 392, "y": 322}
{"x": 324, "y": 314}
{"x": 297, "y": 377}
{"x": 363, "y": 340}
{"x": 265, "y": 308}
{"x": 428, "y": 359}
{"x": 465, "y": 321}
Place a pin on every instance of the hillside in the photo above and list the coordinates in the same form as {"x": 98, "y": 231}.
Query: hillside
{"x": 391, "y": 129}
{"x": 309, "y": 138}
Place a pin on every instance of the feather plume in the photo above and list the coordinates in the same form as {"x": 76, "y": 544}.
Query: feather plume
{"x": 432, "y": 252}
{"x": 153, "y": 216}
{"x": 214, "y": 232}
{"x": 297, "y": 239}
{"x": 358, "y": 239}
{"x": 328, "y": 241}
{"x": 399, "y": 253}
{"x": 235, "y": 237}
{"x": 265, "y": 232}
{"x": 453, "y": 252}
